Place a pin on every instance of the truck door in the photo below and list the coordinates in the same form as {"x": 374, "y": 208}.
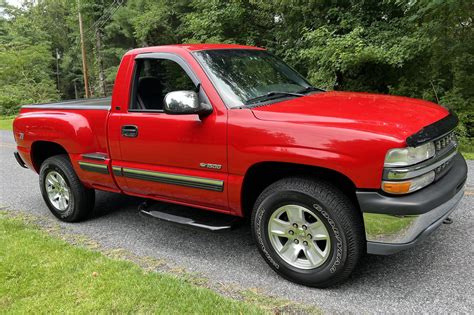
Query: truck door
{"x": 180, "y": 158}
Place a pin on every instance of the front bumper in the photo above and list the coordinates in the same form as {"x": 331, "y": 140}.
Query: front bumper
{"x": 395, "y": 223}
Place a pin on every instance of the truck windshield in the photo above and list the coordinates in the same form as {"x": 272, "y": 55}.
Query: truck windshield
{"x": 244, "y": 77}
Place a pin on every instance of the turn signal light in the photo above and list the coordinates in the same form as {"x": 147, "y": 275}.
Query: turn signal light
{"x": 396, "y": 187}
{"x": 405, "y": 187}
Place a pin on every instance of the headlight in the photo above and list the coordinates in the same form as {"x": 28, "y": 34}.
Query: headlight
{"x": 410, "y": 155}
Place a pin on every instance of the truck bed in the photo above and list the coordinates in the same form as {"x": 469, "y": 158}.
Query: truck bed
{"x": 84, "y": 103}
{"x": 77, "y": 126}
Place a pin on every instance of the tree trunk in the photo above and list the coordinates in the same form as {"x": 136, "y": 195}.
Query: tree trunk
{"x": 339, "y": 83}
{"x": 100, "y": 63}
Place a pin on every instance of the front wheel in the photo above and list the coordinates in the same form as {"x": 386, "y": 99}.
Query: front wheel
{"x": 67, "y": 198}
{"x": 308, "y": 231}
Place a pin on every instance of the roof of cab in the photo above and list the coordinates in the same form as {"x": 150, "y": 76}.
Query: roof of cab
{"x": 190, "y": 47}
{"x": 194, "y": 47}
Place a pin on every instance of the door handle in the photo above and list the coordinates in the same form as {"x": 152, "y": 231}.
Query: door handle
{"x": 130, "y": 131}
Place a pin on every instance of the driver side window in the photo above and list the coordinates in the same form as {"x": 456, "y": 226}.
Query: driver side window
{"x": 154, "y": 78}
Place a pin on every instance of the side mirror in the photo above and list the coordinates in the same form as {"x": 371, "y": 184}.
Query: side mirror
{"x": 185, "y": 103}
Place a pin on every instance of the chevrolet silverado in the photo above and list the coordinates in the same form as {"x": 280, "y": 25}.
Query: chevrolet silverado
{"x": 323, "y": 176}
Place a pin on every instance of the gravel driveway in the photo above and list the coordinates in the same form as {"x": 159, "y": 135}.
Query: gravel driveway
{"x": 436, "y": 276}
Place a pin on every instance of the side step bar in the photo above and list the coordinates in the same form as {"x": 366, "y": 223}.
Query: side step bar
{"x": 189, "y": 216}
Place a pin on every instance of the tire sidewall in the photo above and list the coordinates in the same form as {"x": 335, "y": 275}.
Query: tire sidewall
{"x": 47, "y": 167}
{"x": 338, "y": 253}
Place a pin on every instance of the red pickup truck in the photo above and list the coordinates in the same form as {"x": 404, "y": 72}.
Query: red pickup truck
{"x": 324, "y": 177}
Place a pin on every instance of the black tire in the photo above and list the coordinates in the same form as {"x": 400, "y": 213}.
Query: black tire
{"x": 342, "y": 220}
{"x": 81, "y": 199}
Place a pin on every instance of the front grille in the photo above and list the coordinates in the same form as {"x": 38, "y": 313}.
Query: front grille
{"x": 445, "y": 141}
{"x": 443, "y": 168}
{"x": 444, "y": 146}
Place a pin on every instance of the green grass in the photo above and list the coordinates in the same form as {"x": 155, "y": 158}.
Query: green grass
{"x": 468, "y": 155}
{"x": 6, "y": 123}
{"x": 42, "y": 274}
{"x": 467, "y": 149}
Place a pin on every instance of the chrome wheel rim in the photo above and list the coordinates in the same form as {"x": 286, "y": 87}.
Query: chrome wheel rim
{"x": 58, "y": 191}
{"x": 299, "y": 237}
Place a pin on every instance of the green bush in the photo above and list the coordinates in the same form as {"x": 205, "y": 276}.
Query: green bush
{"x": 422, "y": 49}
{"x": 24, "y": 76}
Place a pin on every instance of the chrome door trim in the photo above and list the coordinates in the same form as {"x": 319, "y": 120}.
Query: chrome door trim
{"x": 170, "y": 178}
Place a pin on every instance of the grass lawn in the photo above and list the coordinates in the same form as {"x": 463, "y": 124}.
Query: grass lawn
{"x": 6, "y": 123}
{"x": 42, "y": 274}
{"x": 468, "y": 155}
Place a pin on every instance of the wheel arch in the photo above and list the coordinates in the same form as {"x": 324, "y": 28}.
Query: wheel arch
{"x": 42, "y": 150}
{"x": 262, "y": 174}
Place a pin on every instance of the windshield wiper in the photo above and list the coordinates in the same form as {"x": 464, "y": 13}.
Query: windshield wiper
{"x": 310, "y": 89}
{"x": 270, "y": 96}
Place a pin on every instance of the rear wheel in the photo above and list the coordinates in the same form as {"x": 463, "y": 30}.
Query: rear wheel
{"x": 308, "y": 231}
{"x": 66, "y": 197}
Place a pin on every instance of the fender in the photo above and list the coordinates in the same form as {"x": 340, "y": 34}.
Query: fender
{"x": 304, "y": 157}
{"x": 77, "y": 132}
{"x": 356, "y": 154}
{"x": 80, "y": 132}
{"x": 334, "y": 161}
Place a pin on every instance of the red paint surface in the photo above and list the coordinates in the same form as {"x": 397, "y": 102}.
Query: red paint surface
{"x": 346, "y": 132}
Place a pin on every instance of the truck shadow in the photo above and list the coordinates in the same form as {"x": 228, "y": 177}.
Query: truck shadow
{"x": 110, "y": 203}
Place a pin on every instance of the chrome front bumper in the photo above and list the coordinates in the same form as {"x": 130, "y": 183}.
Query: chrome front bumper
{"x": 395, "y": 223}
{"x": 388, "y": 234}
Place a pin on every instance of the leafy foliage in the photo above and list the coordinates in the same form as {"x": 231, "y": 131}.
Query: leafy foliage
{"x": 422, "y": 48}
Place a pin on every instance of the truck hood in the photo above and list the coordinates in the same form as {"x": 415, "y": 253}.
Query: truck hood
{"x": 394, "y": 116}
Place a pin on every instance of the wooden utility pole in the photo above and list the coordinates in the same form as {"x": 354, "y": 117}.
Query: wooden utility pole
{"x": 83, "y": 50}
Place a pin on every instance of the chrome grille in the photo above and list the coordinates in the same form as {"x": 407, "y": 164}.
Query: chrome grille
{"x": 445, "y": 141}
{"x": 442, "y": 167}
{"x": 443, "y": 145}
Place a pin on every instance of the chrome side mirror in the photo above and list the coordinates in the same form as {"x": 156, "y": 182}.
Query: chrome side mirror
{"x": 185, "y": 103}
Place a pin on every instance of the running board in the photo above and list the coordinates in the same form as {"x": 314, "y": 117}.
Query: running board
{"x": 207, "y": 220}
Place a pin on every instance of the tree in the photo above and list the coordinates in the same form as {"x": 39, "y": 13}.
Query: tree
{"x": 25, "y": 62}
{"x": 420, "y": 48}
